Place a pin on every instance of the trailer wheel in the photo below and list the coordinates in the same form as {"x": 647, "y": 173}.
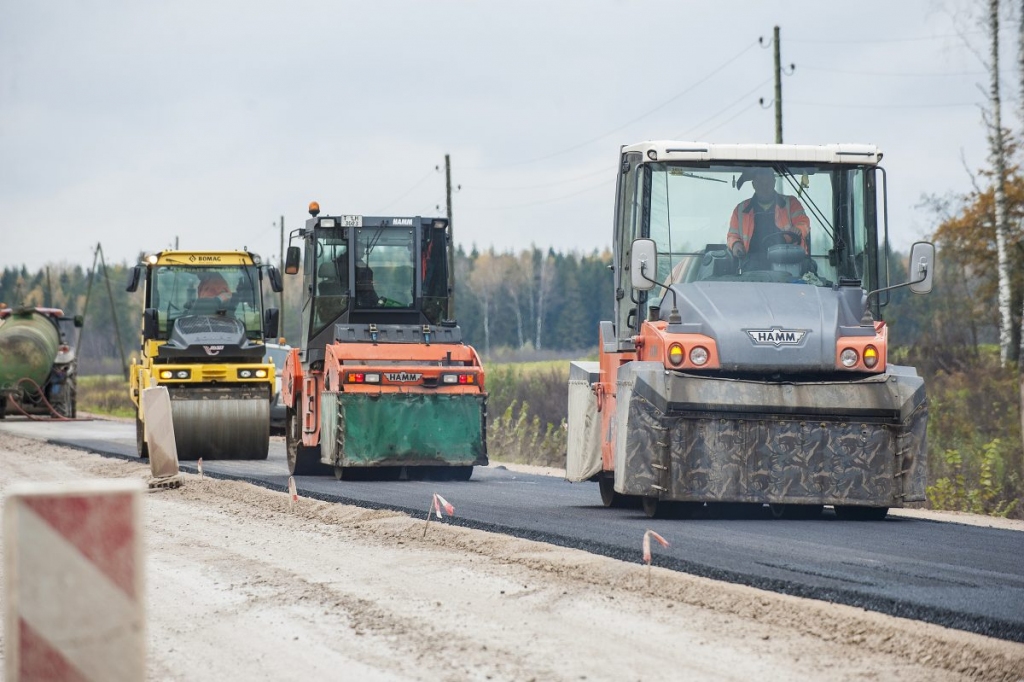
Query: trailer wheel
{"x": 3, "y": 406}
{"x": 140, "y": 437}
{"x": 853, "y": 513}
{"x": 302, "y": 459}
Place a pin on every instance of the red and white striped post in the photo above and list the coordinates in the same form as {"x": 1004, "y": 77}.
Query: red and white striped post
{"x": 73, "y": 582}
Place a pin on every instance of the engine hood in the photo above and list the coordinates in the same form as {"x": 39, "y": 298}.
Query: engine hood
{"x": 768, "y": 326}
{"x": 207, "y": 336}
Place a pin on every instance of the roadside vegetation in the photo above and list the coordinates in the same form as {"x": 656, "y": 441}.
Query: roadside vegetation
{"x": 105, "y": 394}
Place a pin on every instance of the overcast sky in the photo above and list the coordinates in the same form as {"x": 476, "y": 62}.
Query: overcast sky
{"x": 136, "y": 123}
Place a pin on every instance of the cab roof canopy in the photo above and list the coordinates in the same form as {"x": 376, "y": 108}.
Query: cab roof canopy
{"x": 677, "y": 150}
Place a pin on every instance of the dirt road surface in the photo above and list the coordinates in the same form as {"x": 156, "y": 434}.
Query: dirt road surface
{"x": 240, "y": 586}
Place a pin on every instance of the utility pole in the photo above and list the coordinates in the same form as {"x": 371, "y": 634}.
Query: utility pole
{"x": 451, "y": 237}
{"x": 778, "y": 87}
{"x": 280, "y": 263}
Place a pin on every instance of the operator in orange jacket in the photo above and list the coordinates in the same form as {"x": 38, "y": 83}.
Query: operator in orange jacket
{"x": 767, "y": 218}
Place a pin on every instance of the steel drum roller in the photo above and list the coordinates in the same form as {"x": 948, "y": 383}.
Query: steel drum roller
{"x": 221, "y": 429}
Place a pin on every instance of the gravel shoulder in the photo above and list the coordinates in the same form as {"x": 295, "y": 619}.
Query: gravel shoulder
{"x": 241, "y": 585}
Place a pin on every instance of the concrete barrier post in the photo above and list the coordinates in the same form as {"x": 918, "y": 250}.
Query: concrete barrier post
{"x": 73, "y": 582}
{"x": 163, "y": 451}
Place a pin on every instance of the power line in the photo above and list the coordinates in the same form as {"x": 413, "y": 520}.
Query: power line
{"x": 391, "y": 203}
{"x": 631, "y": 121}
{"x": 883, "y": 40}
{"x": 604, "y": 169}
{"x": 947, "y": 105}
{"x": 542, "y": 201}
{"x": 728, "y": 120}
{"x": 900, "y": 75}
{"x": 681, "y": 136}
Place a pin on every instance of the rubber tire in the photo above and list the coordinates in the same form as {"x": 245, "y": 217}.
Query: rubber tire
{"x": 653, "y": 509}
{"x": 612, "y": 499}
{"x": 803, "y": 512}
{"x": 140, "y": 438}
{"x": 302, "y": 459}
{"x": 3, "y": 407}
{"x": 854, "y": 513}
{"x": 461, "y": 473}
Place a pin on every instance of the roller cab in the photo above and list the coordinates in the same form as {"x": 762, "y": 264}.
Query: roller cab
{"x": 203, "y": 331}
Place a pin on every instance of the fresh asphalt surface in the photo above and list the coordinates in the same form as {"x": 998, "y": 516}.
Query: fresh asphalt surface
{"x": 965, "y": 577}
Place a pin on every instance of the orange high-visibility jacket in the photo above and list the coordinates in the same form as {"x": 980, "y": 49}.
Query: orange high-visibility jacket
{"x": 789, "y": 217}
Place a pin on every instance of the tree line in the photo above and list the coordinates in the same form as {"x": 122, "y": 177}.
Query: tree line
{"x": 534, "y": 300}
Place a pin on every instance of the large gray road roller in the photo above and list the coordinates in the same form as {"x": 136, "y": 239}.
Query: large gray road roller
{"x": 747, "y": 360}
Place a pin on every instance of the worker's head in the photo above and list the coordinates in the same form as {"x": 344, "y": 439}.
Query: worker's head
{"x": 762, "y": 179}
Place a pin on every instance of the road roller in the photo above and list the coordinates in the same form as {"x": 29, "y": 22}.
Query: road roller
{"x": 38, "y": 361}
{"x": 382, "y": 382}
{"x": 202, "y": 337}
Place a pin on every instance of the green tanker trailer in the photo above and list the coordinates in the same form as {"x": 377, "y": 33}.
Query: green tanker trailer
{"x": 38, "y": 361}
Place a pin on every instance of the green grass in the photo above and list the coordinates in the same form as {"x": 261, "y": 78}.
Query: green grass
{"x": 105, "y": 394}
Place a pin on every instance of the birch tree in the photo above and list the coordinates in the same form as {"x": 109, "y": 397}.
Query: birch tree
{"x": 997, "y": 150}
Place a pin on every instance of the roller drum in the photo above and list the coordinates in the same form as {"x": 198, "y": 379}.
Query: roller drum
{"x": 221, "y": 428}
{"x": 28, "y": 345}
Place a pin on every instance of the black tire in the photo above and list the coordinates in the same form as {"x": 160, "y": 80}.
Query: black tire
{"x": 140, "y": 437}
{"x": 3, "y": 406}
{"x": 653, "y": 508}
{"x": 796, "y": 511}
{"x": 853, "y": 513}
{"x": 461, "y": 473}
{"x": 612, "y": 499}
{"x": 302, "y": 459}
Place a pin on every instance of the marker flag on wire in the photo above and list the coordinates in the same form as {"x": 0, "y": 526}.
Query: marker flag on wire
{"x": 440, "y": 502}
{"x": 199, "y": 465}
{"x": 647, "y": 544}
{"x": 437, "y": 503}
{"x": 291, "y": 491}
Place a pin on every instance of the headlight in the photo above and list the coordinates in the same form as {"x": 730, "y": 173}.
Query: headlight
{"x": 245, "y": 374}
{"x": 261, "y": 374}
{"x": 166, "y": 374}
{"x": 699, "y": 355}
{"x": 675, "y": 354}
{"x": 870, "y": 356}
{"x": 848, "y": 357}
{"x": 183, "y": 374}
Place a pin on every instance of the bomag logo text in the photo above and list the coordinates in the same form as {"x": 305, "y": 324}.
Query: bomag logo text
{"x": 776, "y": 336}
{"x": 402, "y": 377}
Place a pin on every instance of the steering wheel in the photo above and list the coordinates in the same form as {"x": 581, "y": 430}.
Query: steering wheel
{"x": 787, "y": 237}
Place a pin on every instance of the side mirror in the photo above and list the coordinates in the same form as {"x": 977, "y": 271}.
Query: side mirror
{"x": 79, "y": 321}
{"x": 922, "y": 267}
{"x": 271, "y": 322}
{"x": 275, "y": 279}
{"x": 134, "y": 275}
{"x": 643, "y": 264}
{"x": 150, "y": 318}
{"x": 292, "y": 260}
